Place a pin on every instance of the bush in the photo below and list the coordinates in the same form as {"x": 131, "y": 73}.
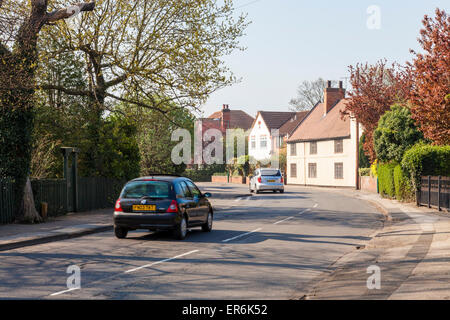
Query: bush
{"x": 364, "y": 172}
{"x": 364, "y": 161}
{"x": 386, "y": 179}
{"x": 198, "y": 175}
{"x": 220, "y": 174}
{"x": 403, "y": 187}
{"x": 426, "y": 160}
{"x": 395, "y": 134}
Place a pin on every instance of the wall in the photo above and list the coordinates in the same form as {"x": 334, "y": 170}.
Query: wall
{"x": 221, "y": 179}
{"x": 368, "y": 184}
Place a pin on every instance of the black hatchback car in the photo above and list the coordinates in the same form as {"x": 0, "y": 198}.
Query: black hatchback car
{"x": 162, "y": 203}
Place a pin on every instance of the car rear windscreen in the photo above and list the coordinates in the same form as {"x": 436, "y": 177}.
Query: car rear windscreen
{"x": 149, "y": 189}
{"x": 271, "y": 173}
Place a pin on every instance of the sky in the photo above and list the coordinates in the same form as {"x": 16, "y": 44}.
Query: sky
{"x": 289, "y": 41}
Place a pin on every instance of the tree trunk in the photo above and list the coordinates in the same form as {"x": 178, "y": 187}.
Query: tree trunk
{"x": 29, "y": 212}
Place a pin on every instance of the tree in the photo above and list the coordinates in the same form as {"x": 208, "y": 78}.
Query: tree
{"x": 309, "y": 93}
{"x": 395, "y": 134}
{"x": 20, "y": 24}
{"x": 374, "y": 89}
{"x": 150, "y": 53}
{"x": 119, "y": 149}
{"x": 154, "y": 137}
{"x": 431, "y": 70}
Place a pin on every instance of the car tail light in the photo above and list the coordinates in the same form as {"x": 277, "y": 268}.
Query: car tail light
{"x": 259, "y": 180}
{"x": 118, "y": 206}
{"x": 282, "y": 180}
{"x": 173, "y": 207}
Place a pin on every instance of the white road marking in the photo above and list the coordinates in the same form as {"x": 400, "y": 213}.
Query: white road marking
{"x": 64, "y": 291}
{"x": 283, "y": 220}
{"x": 162, "y": 261}
{"x": 302, "y": 212}
{"x": 241, "y": 235}
{"x": 315, "y": 206}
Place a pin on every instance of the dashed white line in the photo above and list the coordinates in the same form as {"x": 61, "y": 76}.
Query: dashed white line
{"x": 283, "y": 220}
{"x": 242, "y": 235}
{"x": 162, "y": 261}
{"x": 302, "y": 212}
{"x": 64, "y": 291}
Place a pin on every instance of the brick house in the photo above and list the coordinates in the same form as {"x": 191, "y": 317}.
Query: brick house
{"x": 223, "y": 120}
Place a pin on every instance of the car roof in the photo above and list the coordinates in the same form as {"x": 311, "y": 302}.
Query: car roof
{"x": 167, "y": 178}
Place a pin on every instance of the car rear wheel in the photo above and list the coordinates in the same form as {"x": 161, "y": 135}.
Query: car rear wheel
{"x": 120, "y": 232}
{"x": 207, "y": 227}
{"x": 181, "y": 230}
{"x": 250, "y": 188}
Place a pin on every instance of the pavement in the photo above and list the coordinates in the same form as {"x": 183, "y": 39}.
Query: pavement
{"x": 309, "y": 243}
{"x": 412, "y": 252}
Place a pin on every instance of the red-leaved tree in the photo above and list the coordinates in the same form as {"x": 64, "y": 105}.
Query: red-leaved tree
{"x": 374, "y": 89}
{"x": 431, "y": 70}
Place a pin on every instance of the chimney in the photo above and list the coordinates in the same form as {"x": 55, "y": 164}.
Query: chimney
{"x": 226, "y": 117}
{"x": 332, "y": 96}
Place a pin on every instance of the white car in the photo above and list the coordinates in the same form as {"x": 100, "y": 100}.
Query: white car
{"x": 267, "y": 180}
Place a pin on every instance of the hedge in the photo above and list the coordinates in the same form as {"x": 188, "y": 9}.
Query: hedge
{"x": 426, "y": 160}
{"x": 386, "y": 183}
{"x": 364, "y": 172}
{"x": 403, "y": 187}
{"x": 198, "y": 175}
{"x": 220, "y": 174}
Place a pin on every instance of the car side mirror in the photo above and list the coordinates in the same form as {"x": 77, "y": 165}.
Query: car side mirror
{"x": 207, "y": 195}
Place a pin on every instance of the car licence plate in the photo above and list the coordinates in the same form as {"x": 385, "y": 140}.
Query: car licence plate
{"x": 144, "y": 207}
{"x": 270, "y": 180}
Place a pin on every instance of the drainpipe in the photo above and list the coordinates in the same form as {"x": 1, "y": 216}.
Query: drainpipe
{"x": 358, "y": 187}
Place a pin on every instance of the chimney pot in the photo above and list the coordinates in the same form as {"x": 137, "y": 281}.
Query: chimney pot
{"x": 340, "y": 85}
{"x": 329, "y": 84}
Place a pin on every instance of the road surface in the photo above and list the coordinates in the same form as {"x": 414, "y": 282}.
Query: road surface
{"x": 268, "y": 246}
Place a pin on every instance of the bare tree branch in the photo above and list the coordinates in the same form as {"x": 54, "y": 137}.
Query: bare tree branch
{"x": 65, "y": 13}
{"x": 72, "y": 92}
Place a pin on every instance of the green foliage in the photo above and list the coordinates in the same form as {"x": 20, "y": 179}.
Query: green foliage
{"x": 364, "y": 161}
{"x": 220, "y": 174}
{"x": 386, "y": 179}
{"x": 364, "y": 172}
{"x": 393, "y": 183}
{"x": 403, "y": 187}
{"x": 423, "y": 160}
{"x": 15, "y": 148}
{"x": 395, "y": 134}
{"x": 118, "y": 149}
{"x": 154, "y": 137}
